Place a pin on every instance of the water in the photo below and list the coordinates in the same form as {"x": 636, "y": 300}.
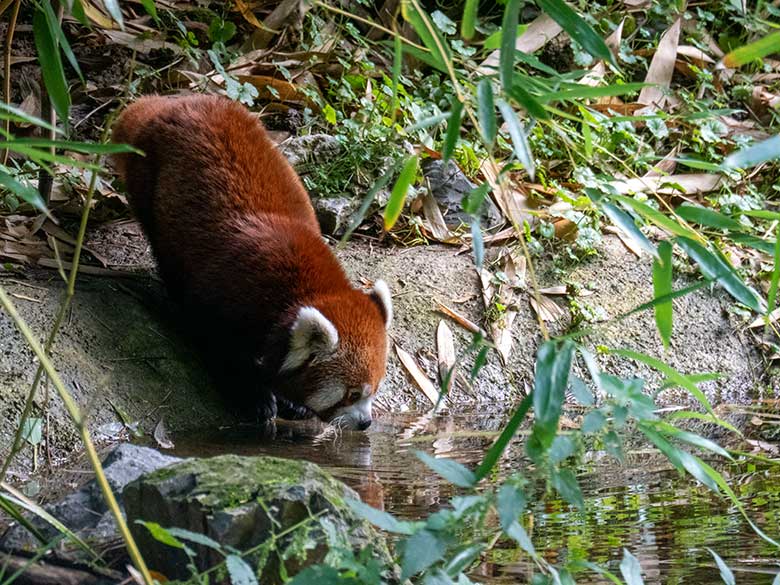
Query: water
{"x": 665, "y": 520}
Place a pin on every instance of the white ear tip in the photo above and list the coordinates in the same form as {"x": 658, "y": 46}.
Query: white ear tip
{"x": 382, "y": 293}
{"x": 311, "y": 332}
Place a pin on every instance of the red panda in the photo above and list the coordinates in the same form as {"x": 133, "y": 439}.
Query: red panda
{"x": 239, "y": 247}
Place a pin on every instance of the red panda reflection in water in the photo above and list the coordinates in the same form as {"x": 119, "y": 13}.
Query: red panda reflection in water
{"x": 239, "y": 247}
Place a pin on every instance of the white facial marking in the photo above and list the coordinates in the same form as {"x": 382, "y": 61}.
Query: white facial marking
{"x": 311, "y": 333}
{"x": 326, "y": 397}
{"x": 382, "y": 292}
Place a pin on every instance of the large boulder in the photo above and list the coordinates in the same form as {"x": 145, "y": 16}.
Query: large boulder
{"x": 267, "y": 508}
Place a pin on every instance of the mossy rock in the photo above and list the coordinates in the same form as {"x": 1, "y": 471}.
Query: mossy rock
{"x": 287, "y": 513}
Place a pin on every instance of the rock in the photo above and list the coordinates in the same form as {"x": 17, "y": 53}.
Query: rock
{"x": 84, "y": 512}
{"x": 312, "y": 148}
{"x": 241, "y": 502}
{"x": 449, "y": 185}
{"x": 335, "y": 213}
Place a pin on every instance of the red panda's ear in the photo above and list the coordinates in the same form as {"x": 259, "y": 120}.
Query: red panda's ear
{"x": 380, "y": 294}
{"x": 311, "y": 335}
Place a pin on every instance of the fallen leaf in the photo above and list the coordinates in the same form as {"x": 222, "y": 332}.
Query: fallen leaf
{"x": 438, "y": 227}
{"x": 761, "y": 321}
{"x": 554, "y": 290}
{"x": 512, "y": 202}
{"x": 627, "y": 241}
{"x": 539, "y": 32}
{"x": 445, "y": 345}
{"x": 161, "y": 435}
{"x": 665, "y": 166}
{"x": 694, "y": 54}
{"x": 467, "y": 324}
{"x": 419, "y": 377}
{"x": 661, "y": 69}
{"x": 547, "y": 310}
{"x": 690, "y": 184}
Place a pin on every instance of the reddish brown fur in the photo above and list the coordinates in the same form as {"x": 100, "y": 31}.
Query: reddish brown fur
{"x": 237, "y": 240}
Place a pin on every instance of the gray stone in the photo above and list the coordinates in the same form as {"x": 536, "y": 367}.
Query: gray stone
{"x": 335, "y": 213}
{"x": 242, "y": 502}
{"x": 448, "y": 185}
{"x": 312, "y": 148}
{"x": 84, "y": 511}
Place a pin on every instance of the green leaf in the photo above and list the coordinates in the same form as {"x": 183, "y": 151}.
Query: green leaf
{"x": 753, "y": 51}
{"x": 519, "y": 141}
{"x": 662, "y": 286}
{"x": 472, "y": 201}
{"x": 672, "y": 374}
{"x": 751, "y": 156}
{"x": 725, "y": 572}
{"x": 420, "y": 551}
{"x": 715, "y": 268}
{"x": 577, "y": 28}
{"x": 580, "y": 92}
{"x": 48, "y": 52}
{"x": 654, "y": 216}
{"x": 464, "y": 559}
{"x": 379, "y": 518}
{"x": 195, "y": 537}
{"x": 453, "y": 129}
{"x": 707, "y": 216}
{"x": 150, "y": 8}
{"x": 86, "y": 147}
{"x": 32, "y": 431}
{"x": 437, "y": 577}
{"x": 516, "y": 532}
{"x": 112, "y": 7}
{"x": 24, "y": 192}
{"x": 477, "y": 243}
{"x": 329, "y": 112}
{"x": 765, "y": 246}
{"x": 56, "y": 32}
{"x": 593, "y": 422}
{"x": 506, "y": 63}
{"x": 529, "y": 102}
{"x": 398, "y": 196}
{"x": 562, "y": 448}
{"x": 319, "y": 575}
{"x": 626, "y": 224}
{"x": 487, "y": 111}
{"x": 553, "y": 364}
{"x": 580, "y": 391}
{"x": 494, "y": 453}
{"x": 565, "y": 483}
{"x": 9, "y": 112}
{"x": 679, "y": 458}
{"x": 239, "y": 570}
{"x": 692, "y": 439}
{"x": 161, "y": 534}
{"x": 467, "y": 27}
{"x": 454, "y": 472}
{"x": 398, "y": 55}
{"x": 775, "y": 280}
{"x": 631, "y": 569}
{"x": 510, "y": 503}
{"x": 428, "y": 33}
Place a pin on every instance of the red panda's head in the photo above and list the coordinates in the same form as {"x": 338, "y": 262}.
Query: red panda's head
{"x": 337, "y": 355}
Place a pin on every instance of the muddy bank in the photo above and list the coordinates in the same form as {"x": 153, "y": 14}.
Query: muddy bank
{"x": 121, "y": 354}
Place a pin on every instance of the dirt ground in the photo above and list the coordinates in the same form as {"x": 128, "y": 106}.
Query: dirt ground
{"x": 121, "y": 355}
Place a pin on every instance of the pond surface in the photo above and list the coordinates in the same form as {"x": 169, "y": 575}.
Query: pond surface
{"x": 665, "y": 520}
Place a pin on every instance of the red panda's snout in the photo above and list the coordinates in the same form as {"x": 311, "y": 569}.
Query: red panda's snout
{"x": 337, "y": 355}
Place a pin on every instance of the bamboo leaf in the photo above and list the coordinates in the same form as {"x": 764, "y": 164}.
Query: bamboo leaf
{"x": 454, "y": 472}
{"x": 707, "y": 216}
{"x": 577, "y": 28}
{"x": 725, "y": 572}
{"x": 453, "y": 129}
{"x": 112, "y": 7}
{"x": 585, "y": 92}
{"x": 775, "y": 280}
{"x": 398, "y": 196}
{"x": 397, "y": 64}
{"x": 715, "y": 268}
{"x": 626, "y": 224}
{"x": 486, "y": 111}
{"x": 654, "y": 216}
{"x": 56, "y": 32}
{"x": 662, "y": 285}
{"x": 525, "y": 99}
{"x": 517, "y": 134}
{"x": 506, "y": 64}
{"x": 24, "y": 192}
{"x": 553, "y": 364}
{"x": 51, "y": 66}
{"x": 753, "y": 51}
{"x": 494, "y": 453}
{"x": 768, "y": 149}
{"x": 428, "y": 33}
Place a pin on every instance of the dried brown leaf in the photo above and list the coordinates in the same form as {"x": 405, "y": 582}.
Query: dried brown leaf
{"x": 691, "y": 184}
{"x": 547, "y": 310}
{"x": 467, "y": 324}
{"x": 445, "y": 345}
{"x": 420, "y": 378}
{"x": 539, "y": 32}
{"x": 661, "y": 69}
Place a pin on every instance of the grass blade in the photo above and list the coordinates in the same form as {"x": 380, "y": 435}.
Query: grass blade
{"x": 772, "y": 295}
{"x": 577, "y": 28}
{"x": 51, "y": 66}
{"x": 519, "y": 141}
{"x": 453, "y": 129}
{"x": 398, "y": 196}
{"x": 662, "y": 285}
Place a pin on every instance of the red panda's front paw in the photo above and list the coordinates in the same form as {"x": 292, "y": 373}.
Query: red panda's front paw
{"x": 267, "y": 409}
{"x": 293, "y": 411}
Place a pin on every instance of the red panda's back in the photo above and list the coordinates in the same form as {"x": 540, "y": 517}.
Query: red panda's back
{"x": 209, "y": 157}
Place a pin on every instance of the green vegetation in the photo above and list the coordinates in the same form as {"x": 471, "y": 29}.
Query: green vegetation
{"x": 655, "y": 122}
